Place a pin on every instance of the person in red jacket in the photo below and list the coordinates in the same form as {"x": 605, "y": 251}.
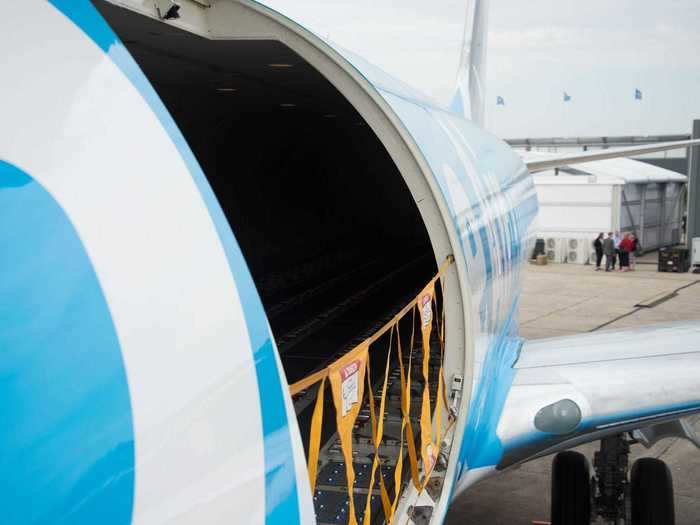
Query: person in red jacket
{"x": 636, "y": 249}
{"x": 626, "y": 246}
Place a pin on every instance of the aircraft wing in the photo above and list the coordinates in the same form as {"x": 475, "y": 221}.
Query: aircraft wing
{"x": 538, "y": 163}
{"x": 571, "y": 390}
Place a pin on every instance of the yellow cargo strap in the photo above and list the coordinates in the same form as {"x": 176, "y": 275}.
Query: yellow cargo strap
{"x": 428, "y": 447}
{"x": 398, "y": 472}
{"x": 441, "y": 340}
{"x": 437, "y": 416}
{"x": 315, "y": 437}
{"x": 398, "y": 469}
{"x": 406, "y": 404}
{"x": 386, "y": 502}
{"x": 377, "y": 435}
{"x": 347, "y": 378}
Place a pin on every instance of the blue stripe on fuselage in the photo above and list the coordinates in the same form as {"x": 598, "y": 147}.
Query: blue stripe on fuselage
{"x": 66, "y": 432}
{"x": 281, "y": 497}
{"x": 481, "y": 445}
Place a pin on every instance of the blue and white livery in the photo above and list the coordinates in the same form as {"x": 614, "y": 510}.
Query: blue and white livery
{"x": 139, "y": 376}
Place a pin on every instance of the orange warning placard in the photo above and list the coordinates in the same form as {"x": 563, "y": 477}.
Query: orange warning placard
{"x": 347, "y": 378}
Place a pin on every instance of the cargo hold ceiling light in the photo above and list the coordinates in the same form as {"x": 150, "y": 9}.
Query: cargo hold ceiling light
{"x": 288, "y": 105}
{"x": 280, "y": 65}
{"x": 226, "y": 90}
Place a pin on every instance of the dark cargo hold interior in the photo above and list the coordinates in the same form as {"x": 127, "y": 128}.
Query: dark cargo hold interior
{"x": 324, "y": 219}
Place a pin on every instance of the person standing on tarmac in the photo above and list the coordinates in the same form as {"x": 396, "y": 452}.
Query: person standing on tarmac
{"x": 598, "y": 245}
{"x": 609, "y": 251}
{"x": 626, "y": 247}
{"x": 636, "y": 249}
{"x": 617, "y": 239}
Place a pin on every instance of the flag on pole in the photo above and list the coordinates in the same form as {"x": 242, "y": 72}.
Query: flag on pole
{"x": 567, "y": 97}
{"x": 500, "y": 101}
{"x": 637, "y": 94}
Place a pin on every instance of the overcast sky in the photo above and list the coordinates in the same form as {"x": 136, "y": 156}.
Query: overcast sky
{"x": 598, "y": 51}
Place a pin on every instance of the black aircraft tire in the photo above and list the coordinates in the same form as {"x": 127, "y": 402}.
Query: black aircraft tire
{"x": 571, "y": 489}
{"x": 652, "y": 493}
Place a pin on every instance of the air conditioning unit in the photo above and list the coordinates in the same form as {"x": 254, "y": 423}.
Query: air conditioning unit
{"x": 554, "y": 249}
{"x": 579, "y": 251}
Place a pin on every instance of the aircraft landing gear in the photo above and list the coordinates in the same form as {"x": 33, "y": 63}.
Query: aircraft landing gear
{"x": 611, "y": 464}
{"x": 645, "y": 497}
{"x": 571, "y": 489}
{"x": 652, "y": 493}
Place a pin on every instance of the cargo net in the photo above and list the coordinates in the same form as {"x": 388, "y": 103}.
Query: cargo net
{"x": 358, "y": 475}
